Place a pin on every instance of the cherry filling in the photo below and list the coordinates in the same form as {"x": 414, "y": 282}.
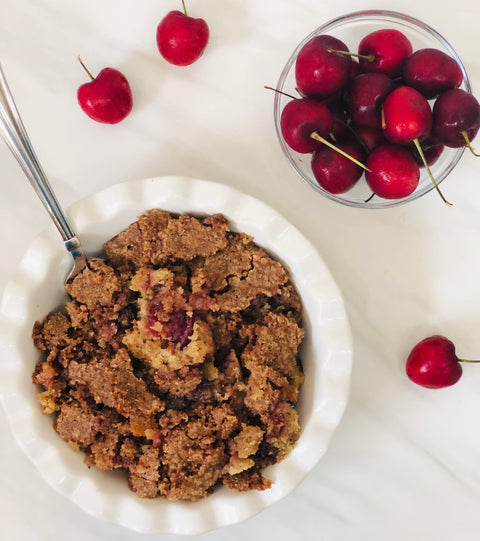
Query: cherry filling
{"x": 180, "y": 327}
{"x": 158, "y": 440}
{"x": 154, "y": 310}
{"x": 177, "y": 326}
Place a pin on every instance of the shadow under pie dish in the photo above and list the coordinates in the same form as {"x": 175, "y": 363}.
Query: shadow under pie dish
{"x": 188, "y": 337}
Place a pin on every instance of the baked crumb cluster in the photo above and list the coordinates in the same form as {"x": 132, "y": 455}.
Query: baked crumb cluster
{"x": 177, "y": 359}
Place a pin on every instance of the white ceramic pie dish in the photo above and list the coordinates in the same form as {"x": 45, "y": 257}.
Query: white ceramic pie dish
{"x": 37, "y": 287}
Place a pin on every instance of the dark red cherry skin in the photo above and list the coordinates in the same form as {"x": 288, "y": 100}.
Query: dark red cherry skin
{"x": 335, "y": 173}
{"x": 107, "y": 98}
{"x": 393, "y": 172}
{"x": 319, "y": 72}
{"x": 355, "y": 69}
{"x": 299, "y": 119}
{"x": 406, "y": 116}
{"x": 182, "y": 39}
{"x": 370, "y": 138}
{"x": 389, "y": 47}
{"x": 432, "y": 363}
{"x": 431, "y": 151}
{"x": 431, "y": 72}
{"x": 334, "y": 99}
{"x": 365, "y": 97}
{"x": 455, "y": 111}
{"x": 340, "y": 130}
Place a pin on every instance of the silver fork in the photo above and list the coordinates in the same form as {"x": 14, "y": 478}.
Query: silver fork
{"x": 14, "y": 133}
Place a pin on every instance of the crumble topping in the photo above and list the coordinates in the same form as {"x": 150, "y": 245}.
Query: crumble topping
{"x": 176, "y": 359}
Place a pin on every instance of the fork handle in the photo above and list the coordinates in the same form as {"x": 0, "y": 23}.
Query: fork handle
{"x": 16, "y": 137}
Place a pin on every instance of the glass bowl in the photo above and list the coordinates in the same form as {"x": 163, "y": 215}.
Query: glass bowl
{"x": 350, "y": 29}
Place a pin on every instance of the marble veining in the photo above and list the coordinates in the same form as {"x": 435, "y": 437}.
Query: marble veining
{"x": 403, "y": 465}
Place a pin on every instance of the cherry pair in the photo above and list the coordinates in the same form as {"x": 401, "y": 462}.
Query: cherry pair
{"x": 181, "y": 40}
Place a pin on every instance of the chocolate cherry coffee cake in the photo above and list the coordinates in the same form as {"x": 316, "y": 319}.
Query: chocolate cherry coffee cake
{"x": 176, "y": 360}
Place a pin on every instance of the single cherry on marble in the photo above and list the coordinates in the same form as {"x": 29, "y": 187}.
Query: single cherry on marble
{"x": 106, "y": 98}
{"x": 182, "y": 39}
{"x": 433, "y": 363}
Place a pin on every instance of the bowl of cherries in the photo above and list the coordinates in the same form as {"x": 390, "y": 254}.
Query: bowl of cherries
{"x": 374, "y": 109}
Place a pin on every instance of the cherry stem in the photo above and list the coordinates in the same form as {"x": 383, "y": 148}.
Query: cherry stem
{"x": 422, "y": 155}
{"x": 184, "y": 8}
{"x": 314, "y": 135}
{"x": 469, "y": 146}
{"x": 469, "y": 361}
{"x": 370, "y": 198}
{"x": 280, "y": 92}
{"x": 369, "y": 57}
{"x": 85, "y": 68}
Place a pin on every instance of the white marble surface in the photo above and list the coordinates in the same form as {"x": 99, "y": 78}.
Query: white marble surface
{"x": 404, "y": 462}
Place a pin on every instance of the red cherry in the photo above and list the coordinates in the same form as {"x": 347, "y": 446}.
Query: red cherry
{"x": 306, "y": 123}
{"x": 431, "y": 72}
{"x": 370, "y": 138}
{"x": 355, "y": 69}
{"x": 181, "y": 39}
{"x": 431, "y": 151}
{"x": 320, "y": 71}
{"x": 392, "y": 172}
{"x": 406, "y": 116}
{"x": 384, "y": 51}
{"x": 300, "y": 118}
{"x": 334, "y": 172}
{"x": 432, "y": 363}
{"x": 365, "y": 96}
{"x": 340, "y": 130}
{"x": 456, "y": 118}
{"x": 107, "y": 98}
